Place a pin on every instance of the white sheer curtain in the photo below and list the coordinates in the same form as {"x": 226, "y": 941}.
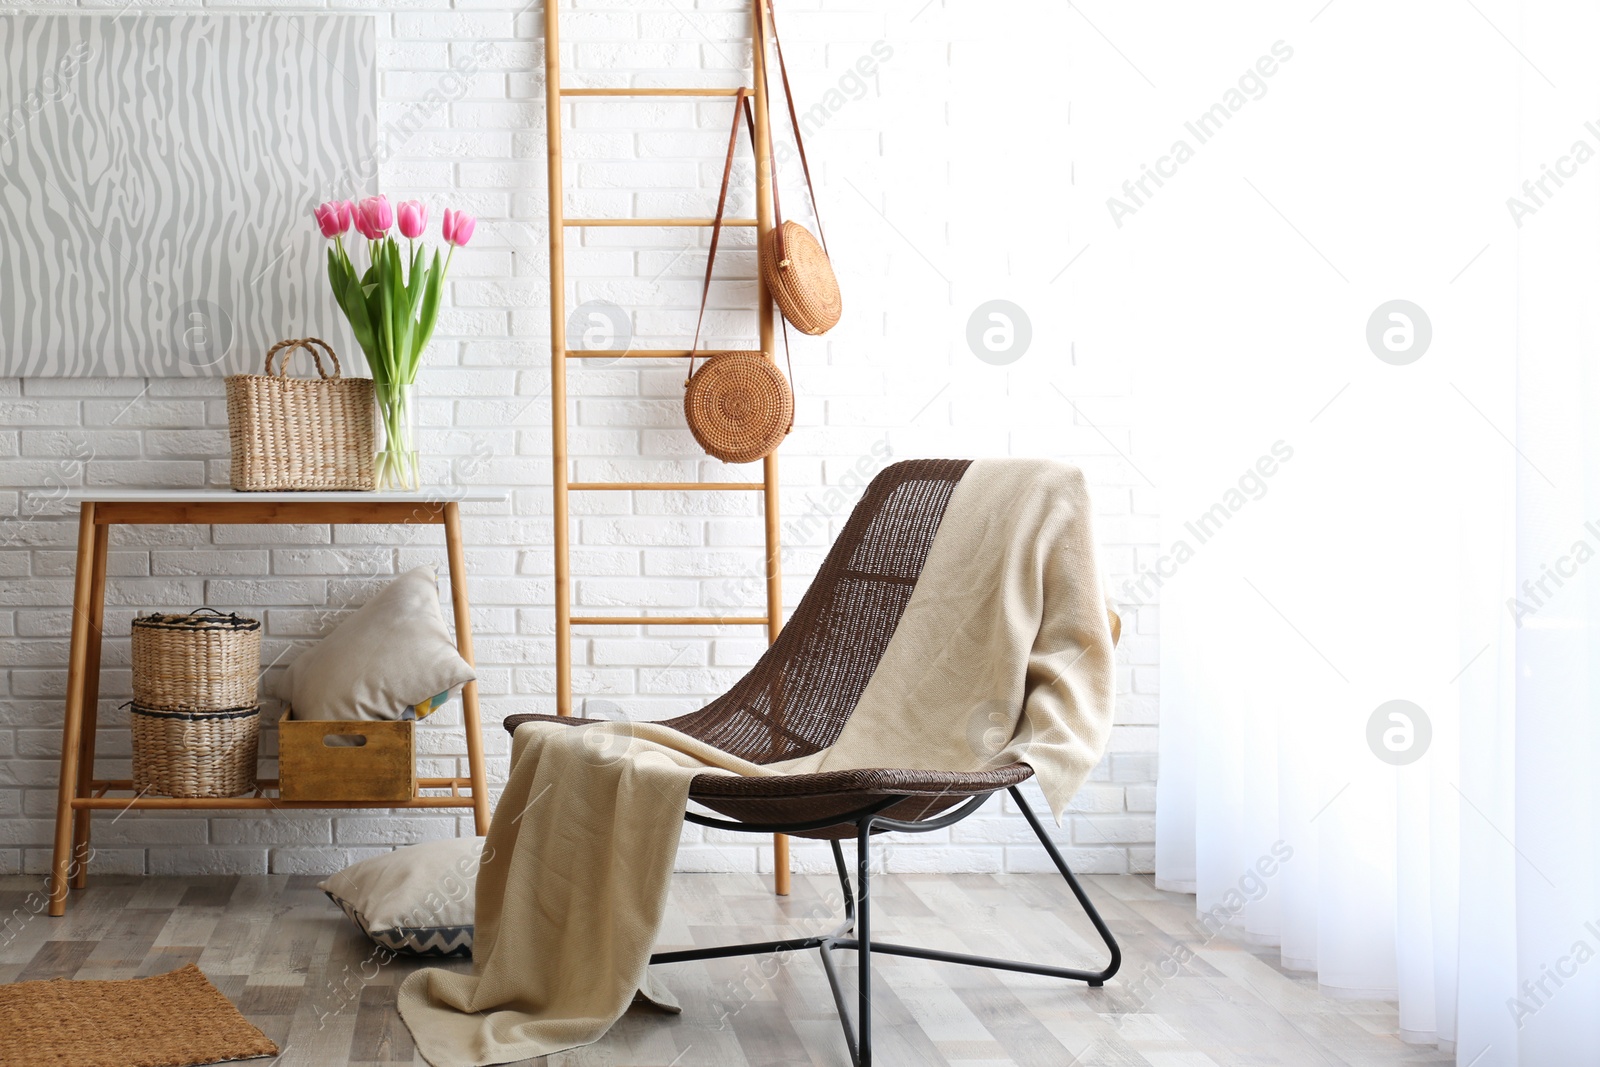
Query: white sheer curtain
{"x": 1343, "y": 529}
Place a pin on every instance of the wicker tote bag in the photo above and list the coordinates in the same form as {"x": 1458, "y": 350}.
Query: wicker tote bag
{"x": 738, "y": 404}
{"x": 300, "y": 433}
{"x": 795, "y": 264}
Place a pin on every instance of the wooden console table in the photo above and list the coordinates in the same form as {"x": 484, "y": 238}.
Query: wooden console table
{"x": 81, "y": 793}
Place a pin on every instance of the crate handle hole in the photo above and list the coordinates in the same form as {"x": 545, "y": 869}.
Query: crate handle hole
{"x": 344, "y": 740}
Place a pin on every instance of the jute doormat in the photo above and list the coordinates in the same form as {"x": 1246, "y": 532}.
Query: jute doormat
{"x": 172, "y": 1020}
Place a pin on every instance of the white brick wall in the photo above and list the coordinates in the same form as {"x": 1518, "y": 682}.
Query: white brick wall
{"x": 945, "y": 179}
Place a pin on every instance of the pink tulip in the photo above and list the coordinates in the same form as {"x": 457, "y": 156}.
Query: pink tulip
{"x": 331, "y": 218}
{"x": 374, "y": 216}
{"x": 347, "y": 213}
{"x": 458, "y": 227}
{"x": 413, "y": 218}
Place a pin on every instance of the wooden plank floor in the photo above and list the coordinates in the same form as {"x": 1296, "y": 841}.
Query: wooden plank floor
{"x": 302, "y": 972}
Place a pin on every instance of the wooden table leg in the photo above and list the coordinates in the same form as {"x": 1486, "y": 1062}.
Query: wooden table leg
{"x": 469, "y": 692}
{"x": 91, "y": 705}
{"x": 72, "y": 727}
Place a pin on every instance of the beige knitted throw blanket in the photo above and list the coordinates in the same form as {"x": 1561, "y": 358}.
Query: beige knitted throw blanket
{"x": 1005, "y": 630}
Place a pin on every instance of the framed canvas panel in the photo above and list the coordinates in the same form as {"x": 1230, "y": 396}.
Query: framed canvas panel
{"x": 157, "y": 176}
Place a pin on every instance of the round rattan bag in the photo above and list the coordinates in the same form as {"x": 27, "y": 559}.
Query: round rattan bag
{"x": 739, "y": 406}
{"x": 794, "y": 263}
{"x": 800, "y": 277}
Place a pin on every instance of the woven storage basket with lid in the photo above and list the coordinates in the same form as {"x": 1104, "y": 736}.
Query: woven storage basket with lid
{"x": 195, "y": 753}
{"x": 205, "y": 660}
{"x": 196, "y": 722}
{"x": 301, "y": 433}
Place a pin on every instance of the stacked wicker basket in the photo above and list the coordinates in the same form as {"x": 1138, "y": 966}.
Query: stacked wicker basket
{"x": 196, "y": 722}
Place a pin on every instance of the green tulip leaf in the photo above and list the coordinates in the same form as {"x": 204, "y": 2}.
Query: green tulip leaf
{"x": 430, "y": 302}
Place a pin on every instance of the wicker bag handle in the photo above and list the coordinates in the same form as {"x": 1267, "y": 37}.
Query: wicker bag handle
{"x": 310, "y": 344}
{"x": 741, "y": 102}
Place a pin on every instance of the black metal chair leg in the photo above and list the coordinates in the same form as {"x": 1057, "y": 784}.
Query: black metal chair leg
{"x": 858, "y": 914}
{"x": 840, "y": 1004}
{"x": 1077, "y": 890}
{"x": 864, "y": 939}
{"x": 844, "y": 883}
{"x": 860, "y": 1046}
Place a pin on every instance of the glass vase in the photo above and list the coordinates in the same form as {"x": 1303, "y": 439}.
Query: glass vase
{"x": 396, "y": 468}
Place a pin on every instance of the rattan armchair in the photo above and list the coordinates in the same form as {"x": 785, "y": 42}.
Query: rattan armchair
{"x": 796, "y": 700}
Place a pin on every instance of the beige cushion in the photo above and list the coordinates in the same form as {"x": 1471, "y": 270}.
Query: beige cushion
{"x": 379, "y": 663}
{"x": 415, "y": 900}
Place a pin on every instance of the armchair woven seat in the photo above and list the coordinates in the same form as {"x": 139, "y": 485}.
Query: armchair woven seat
{"x": 796, "y": 701}
{"x": 806, "y": 797}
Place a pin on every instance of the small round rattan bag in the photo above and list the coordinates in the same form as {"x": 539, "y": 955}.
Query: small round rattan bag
{"x": 800, "y": 276}
{"x": 738, "y": 404}
{"x": 794, "y": 264}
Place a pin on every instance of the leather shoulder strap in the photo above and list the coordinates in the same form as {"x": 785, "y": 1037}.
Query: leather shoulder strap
{"x": 794, "y": 120}
{"x": 740, "y": 103}
{"x": 750, "y": 120}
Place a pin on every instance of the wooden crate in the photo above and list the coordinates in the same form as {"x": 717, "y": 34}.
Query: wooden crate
{"x": 383, "y": 767}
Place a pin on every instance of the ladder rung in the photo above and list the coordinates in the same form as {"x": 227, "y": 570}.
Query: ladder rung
{"x": 656, "y": 222}
{"x": 651, "y": 92}
{"x": 669, "y": 620}
{"x": 684, "y": 487}
{"x": 639, "y": 353}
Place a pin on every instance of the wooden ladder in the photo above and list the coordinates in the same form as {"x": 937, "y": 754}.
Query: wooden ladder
{"x": 560, "y": 353}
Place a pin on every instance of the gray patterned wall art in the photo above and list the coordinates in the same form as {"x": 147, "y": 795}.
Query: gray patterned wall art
{"x": 157, "y": 175}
